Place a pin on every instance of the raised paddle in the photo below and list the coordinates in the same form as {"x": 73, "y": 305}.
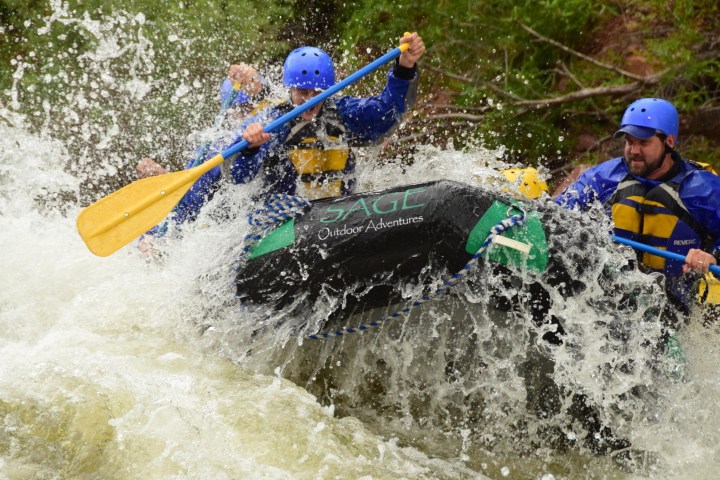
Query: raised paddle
{"x": 656, "y": 251}
{"x": 117, "y": 219}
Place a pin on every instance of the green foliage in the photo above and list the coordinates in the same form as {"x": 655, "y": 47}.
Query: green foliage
{"x": 120, "y": 77}
{"x": 480, "y": 52}
{"x": 115, "y": 80}
{"x": 483, "y": 43}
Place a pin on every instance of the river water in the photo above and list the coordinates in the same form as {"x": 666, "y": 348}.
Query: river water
{"x": 124, "y": 367}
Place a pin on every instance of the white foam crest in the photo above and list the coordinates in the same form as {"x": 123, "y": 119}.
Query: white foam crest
{"x": 102, "y": 355}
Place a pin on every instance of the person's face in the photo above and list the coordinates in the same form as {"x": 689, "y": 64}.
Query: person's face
{"x": 298, "y": 96}
{"x": 644, "y": 157}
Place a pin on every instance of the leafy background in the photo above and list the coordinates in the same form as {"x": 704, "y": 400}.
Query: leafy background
{"x": 547, "y": 80}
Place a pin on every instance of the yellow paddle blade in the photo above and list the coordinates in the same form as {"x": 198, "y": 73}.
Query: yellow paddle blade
{"x": 115, "y": 220}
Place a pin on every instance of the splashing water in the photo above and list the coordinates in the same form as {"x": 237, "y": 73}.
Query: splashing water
{"x": 123, "y": 368}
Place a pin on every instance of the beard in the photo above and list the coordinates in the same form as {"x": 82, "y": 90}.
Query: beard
{"x": 641, "y": 166}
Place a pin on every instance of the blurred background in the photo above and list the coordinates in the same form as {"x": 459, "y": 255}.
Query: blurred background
{"x": 546, "y": 81}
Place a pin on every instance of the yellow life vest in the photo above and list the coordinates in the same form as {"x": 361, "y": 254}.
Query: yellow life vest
{"x": 319, "y": 154}
{"x": 709, "y": 289}
{"x": 321, "y": 166}
{"x": 658, "y": 217}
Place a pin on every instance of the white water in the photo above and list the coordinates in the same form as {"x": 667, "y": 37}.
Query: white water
{"x": 118, "y": 368}
{"x": 102, "y": 376}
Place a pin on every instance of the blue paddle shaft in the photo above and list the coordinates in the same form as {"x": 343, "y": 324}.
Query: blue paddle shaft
{"x": 321, "y": 97}
{"x": 656, "y": 251}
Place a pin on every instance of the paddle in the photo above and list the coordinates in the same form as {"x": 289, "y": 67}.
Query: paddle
{"x": 656, "y": 251}
{"x": 117, "y": 219}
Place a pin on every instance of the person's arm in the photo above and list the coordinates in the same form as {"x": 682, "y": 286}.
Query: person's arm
{"x": 594, "y": 185}
{"x": 701, "y": 196}
{"x": 243, "y": 168}
{"x": 202, "y": 190}
{"x": 148, "y": 167}
{"x": 246, "y": 165}
{"x": 579, "y": 195}
{"x": 243, "y": 82}
{"x": 369, "y": 119}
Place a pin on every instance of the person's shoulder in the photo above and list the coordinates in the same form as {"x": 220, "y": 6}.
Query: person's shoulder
{"x": 347, "y": 104}
{"x": 700, "y": 172}
{"x": 700, "y": 168}
{"x": 699, "y": 180}
{"x": 614, "y": 167}
{"x": 617, "y": 163}
{"x": 708, "y": 178}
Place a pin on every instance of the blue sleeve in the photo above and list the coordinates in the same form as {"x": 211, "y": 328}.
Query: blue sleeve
{"x": 201, "y": 191}
{"x": 246, "y": 165}
{"x": 700, "y": 193}
{"x": 230, "y": 97}
{"x": 594, "y": 185}
{"x": 369, "y": 119}
{"x": 579, "y": 195}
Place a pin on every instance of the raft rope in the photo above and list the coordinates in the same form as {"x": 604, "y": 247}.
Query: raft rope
{"x": 504, "y": 225}
{"x": 279, "y": 207}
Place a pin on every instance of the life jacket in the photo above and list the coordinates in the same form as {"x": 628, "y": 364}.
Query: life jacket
{"x": 320, "y": 155}
{"x": 659, "y": 218}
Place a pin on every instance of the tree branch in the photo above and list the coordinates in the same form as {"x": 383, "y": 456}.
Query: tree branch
{"x": 614, "y": 90}
{"x": 455, "y": 76}
{"x": 581, "y": 55}
{"x": 448, "y": 106}
{"x": 463, "y": 116}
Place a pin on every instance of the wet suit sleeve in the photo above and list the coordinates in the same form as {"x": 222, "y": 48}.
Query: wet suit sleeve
{"x": 246, "y": 165}
{"x": 201, "y": 191}
{"x": 369, "y": 119}
{"x": 579, "y": 195}
{"x": 243, "y": 167}
{"x": 701, "y": 195}
{"x": 594, "y": 185}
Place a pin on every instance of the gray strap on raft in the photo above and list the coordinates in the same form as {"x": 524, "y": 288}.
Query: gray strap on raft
{"x": 506, "y": 224}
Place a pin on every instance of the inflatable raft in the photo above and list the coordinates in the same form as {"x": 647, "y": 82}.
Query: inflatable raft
{"x": 362, "y": 246}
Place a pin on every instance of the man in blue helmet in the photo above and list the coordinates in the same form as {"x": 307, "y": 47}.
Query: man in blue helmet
{"x": 656, "y": 197}
{"x": 312, "y": 155}
{"x": 239, "y": 97}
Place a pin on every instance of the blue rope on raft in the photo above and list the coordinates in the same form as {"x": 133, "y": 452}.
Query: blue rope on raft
{"x": 506, "y": 224}
{"x": 279, "y": 207}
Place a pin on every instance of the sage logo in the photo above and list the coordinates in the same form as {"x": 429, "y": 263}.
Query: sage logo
{"x": 384, "y": 204}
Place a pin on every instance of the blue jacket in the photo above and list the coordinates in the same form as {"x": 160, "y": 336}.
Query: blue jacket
{"x": 700, "y": 191}
{"x": 366, "y": 120}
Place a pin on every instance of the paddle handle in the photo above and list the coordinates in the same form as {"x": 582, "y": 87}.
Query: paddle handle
{"x": 656, "y": 251}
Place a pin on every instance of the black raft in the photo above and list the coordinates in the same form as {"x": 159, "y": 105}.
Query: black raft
{"x": 362, "y": 246}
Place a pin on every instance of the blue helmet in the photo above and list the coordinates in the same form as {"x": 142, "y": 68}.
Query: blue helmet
{"x": 647, "y": 117}
{"x": 308, "y": 67}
